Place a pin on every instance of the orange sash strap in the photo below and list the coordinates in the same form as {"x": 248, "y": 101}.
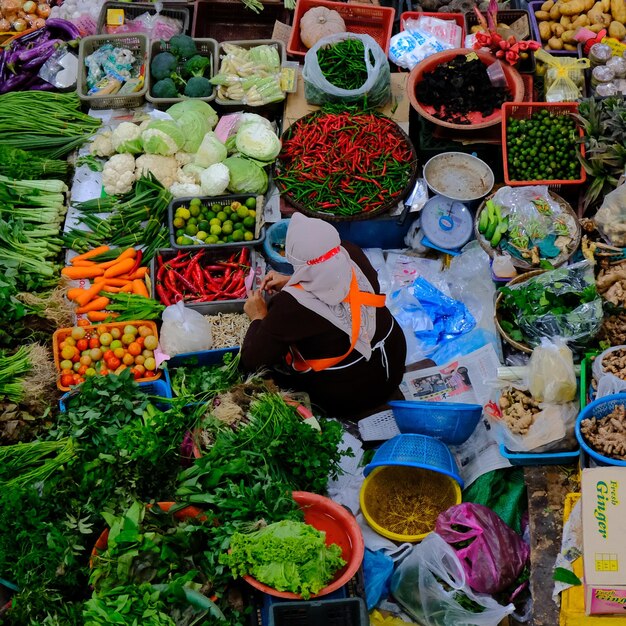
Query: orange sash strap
{"x": 355, "y": 298}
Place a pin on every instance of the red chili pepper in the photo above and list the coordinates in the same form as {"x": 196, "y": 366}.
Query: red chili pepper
{"x": 163, "y": 296}
{"x": 183, "y": 281}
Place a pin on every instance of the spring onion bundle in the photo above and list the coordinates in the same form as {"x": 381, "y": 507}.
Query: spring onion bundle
{"x": 50, "y": 124}
{"x": 26, "y": 374}
{"x": 20, "y": 164}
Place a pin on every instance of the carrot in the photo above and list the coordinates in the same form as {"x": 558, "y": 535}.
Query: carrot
{"x": 72, "y": 294}
{"x": 90, "y": 253}
{"x": 114, "y": 282}
{"x": 75, "y": 273}
{"x": 129, "y": 253}
{"x": 88, "y": 294}
{"x": 139, "y": 273}
{"x": 109, "y": 289}
{"x": 100, "y": 316}
{"x": 120, "y": 268}
{"x": 126, "y": 288}
{"x": 139, "y": 288}
{"x": 96, "y": 304}
{"x": 84, "y": 264}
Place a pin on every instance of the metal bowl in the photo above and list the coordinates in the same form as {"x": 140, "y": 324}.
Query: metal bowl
{"x": 459, "y": 176}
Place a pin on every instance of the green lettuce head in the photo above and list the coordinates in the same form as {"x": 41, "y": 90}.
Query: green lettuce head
{"x": 162, "y": 137}
{"x": 245, "y": 176}
{"x": 194, "y": 126}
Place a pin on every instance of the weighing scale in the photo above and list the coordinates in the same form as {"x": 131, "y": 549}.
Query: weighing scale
{"x": 447, "y": 225}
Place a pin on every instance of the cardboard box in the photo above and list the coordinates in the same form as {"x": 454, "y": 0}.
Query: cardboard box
{"x": 604, "y": 539}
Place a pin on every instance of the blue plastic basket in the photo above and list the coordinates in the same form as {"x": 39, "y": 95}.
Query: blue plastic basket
{"x": 451, "y": 422}
{"x": 599, "y": 409}
{"x": 334, "y": 612}
{"x": 540, "y": 458}
{"x": 275, "y": 236}
{"x": 416, "y": 451}
{"x": 204, "y": 357}
{"x": 159, "y": 388}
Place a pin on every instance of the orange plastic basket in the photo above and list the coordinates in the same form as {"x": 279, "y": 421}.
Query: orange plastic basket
{"x": 363, "y": 19}
{"x": 524, "y": 111}
{"x": 62, "y": 333}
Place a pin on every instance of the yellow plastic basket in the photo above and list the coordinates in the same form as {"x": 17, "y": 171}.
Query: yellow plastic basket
{"x": 402, "y": 503}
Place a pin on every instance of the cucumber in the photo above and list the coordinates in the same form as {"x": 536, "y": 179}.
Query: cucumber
{"x": 495, "y": 240}
{"x": 491, "y": 229}
{"x": 483, "y": 222}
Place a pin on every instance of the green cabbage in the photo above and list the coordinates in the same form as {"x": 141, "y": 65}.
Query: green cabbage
{"x": 214, "y": 180}
{"x": 211, "y": 151}
{"x": 287, "y": 556}
{"x": 257, "y": 141}
{"x": 199, "y": 106}
{"x": 245, "y": 176}
{"x": 162, "y": 137}
{"x": 194, "y": 126}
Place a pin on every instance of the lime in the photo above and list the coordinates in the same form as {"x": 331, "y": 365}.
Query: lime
{"x": 195, "y": 202}
{"x": 193, "y": 221}
{"x": 252, "y": 213}
{"x": 238, "y": 235}
{"x": 183, "y": 212}
{"x": 216, "y": 208}
{"x": 234, "y": 205}
{"x": 251, "y": 203}
{"x": 202, "y": 235}
{"x": 234, "y": 217}
{"x": 216, "y": 230}
{"x": 214, "y": 222}
{"x": 191, "y": 229}
{"x": 180, "y": 240}
{"x": 229, "y": 239}
{"x": 227, "y": 228}
{"x": 194, "y": 210}
{"x": 212, "y": 239}
{"x": 249, "y": 222}
{"x": 203, "y": 225}
{"x": 242, "y": 212}
{"x": 187, "y": 241}
{"x": 178, "y": 222}
{"x": 248, "y": 236}
{"x": 221, "y": 216}
{"x": 180, "y": 232}
{"x": 210, "y": 215}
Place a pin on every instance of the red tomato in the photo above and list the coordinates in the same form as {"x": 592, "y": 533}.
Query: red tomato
{"x": 104, "y": 371}
{"x": 67, "y": 380}
{"x": 140, "y": 341}
{"x": 113, "y": 363}
{"x": 83, "y": 322}
{"x": 82, "y": 344}
{"x": 136, "y": 373}
{"x": 76, "y": 358}
{"x": 149, "y": 373}
{"x": 94, "y": 342}
{"x": 107, "y": 355}
{"x": 82, "y": 369}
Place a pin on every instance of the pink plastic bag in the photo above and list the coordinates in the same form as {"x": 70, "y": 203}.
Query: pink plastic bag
{"x": 492, "y": 554}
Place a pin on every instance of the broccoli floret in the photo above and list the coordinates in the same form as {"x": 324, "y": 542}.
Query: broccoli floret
{"x": 197, "y": 65}
{"x": 198, "y": 87}
{"x": 165, "y": 89}
{"x": 182, "y": 46}
{"x": 163, "y": 65}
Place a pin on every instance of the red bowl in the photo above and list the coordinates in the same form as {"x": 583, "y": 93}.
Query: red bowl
{"x": 514, "y": 82}
{"x": 340, "y": 528}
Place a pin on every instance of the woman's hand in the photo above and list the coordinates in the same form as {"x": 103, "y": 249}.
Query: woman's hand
{"x": 255, "y": 307}
{"x": 274, "y": 282}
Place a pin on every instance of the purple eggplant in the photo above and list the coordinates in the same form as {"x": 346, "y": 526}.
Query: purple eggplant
{"x": 44, "y": 50}
{"x": 15, "y": 82}
{"x": 63, "y": 27}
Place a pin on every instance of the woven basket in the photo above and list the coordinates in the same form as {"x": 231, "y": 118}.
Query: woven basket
{"x": 523, "y": 347}
{"x": 521, "y": 264}
{"x": 364, "y": 215}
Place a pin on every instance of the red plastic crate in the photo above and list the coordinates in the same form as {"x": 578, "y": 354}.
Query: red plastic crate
{"x": 523, "y": 111}
{"x": 459, "y": 18}
{"x": 363, "y": 19}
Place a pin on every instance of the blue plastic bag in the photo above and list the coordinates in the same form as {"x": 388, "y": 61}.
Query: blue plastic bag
{"x": 377, "y": 572}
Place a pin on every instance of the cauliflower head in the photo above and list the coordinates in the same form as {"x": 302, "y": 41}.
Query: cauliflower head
{"x": 118, "y": 175}
{"x": 101, "y": 146}
{"x": 182, "y": 190}
{"x": 163, "y": 168}
{"x": 127, "y": 138}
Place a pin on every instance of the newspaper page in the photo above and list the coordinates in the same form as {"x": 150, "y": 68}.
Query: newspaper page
{"x": 463, "y": 380}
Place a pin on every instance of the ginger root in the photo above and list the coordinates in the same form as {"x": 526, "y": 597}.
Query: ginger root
{"x": 518, "y": 410}
{"x": 608, "y": 434}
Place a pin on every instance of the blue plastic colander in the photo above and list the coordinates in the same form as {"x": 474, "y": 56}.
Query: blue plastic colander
{"x": 412, "y": 450}
{"x": 451, "y": 422}
{"x": 599, "y": 409}
{"x": 276, "y": 235}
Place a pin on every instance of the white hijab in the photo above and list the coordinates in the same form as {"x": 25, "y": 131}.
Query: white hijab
{"x": 323, "y": 268}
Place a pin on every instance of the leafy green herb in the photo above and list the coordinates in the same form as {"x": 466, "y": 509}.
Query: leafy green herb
{"x": 206, "y": 380}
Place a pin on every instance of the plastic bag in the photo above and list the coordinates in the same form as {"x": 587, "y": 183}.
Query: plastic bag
{"x": 492, "y": 554}
{"x": 611, "y": 217}
{"x": 430, "y": 582}
{"x": 577, "y": 325}
{"x": 184, "y": 330}
{"x": 447, "y": 32}
{"x": 377, "y": 572}
{"x": 407, "y": 49}
{"x": 551, "y": 376}
{"x": 377, "y": 87}
{"x": 564, "y": 80}
{"x": 608, "y": 382}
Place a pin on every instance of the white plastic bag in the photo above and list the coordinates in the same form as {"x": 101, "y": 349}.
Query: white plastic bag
{"x": 418, "y": 584}
{"x": 611, "y": 217}
{"x": 551, "y": 376}
{"x": 608, "y": 382}
{"x": 377, "y": 87}
{"x": 184, "y": 330}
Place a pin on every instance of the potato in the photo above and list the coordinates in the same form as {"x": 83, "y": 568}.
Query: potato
{"x": 565, "y": 21}
{"x": 555, "y": 12}
{"x": 568, "y": 36}
{"x": 576, "y": 7}
{"x": 579, "y": 22}
{"x": 606, "y": 19}
{"x": 557, "y": 30}
{"x": 542, "y": 16}
{"x": 618, "y": 11}
{"x": 617, "y": 30}
{"x": 547, "y": 5}
{"x": 606, "y": 5}
{"x": 595, "y": 15}
{"x": 555, "y": 43}
{"x": 588, "y": 6}
{"x": 545, "y": 32}
{"x": 595, "y": 28}
{"x": 570, "y": 47}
